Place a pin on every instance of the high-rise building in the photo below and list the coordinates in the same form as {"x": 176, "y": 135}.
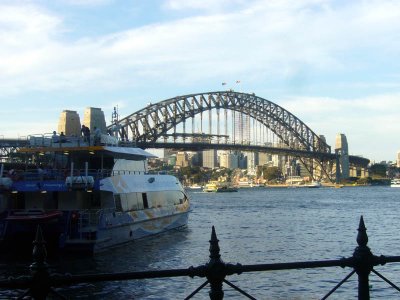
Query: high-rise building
{"x": 242, "y": 128}
{"x": 210, "y": 158}
{"x": 252, "y": 162}
{"x": 342, "y": 149}
{"x": 228, "y": 160}
{"x": 242, "y": 161}
{"x": 69, "y": 123}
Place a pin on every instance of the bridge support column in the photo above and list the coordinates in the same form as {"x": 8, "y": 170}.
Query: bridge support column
{"x": 337, "y": 166}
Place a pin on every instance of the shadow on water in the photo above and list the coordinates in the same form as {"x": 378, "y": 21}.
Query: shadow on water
{"x": 151, "y": 253}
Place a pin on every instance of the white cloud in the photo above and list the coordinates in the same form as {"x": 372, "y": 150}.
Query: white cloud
{"x": 88, "y": 2}
{"x": 207, "y": 5}
{"x": 369, "y": 123}
{"x": 267, "y": 37}
{"x": 293, "y": 43}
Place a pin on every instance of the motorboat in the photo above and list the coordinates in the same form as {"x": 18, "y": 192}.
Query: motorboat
{"x": 313, "y": 184}
{"x": 395, "y": 182}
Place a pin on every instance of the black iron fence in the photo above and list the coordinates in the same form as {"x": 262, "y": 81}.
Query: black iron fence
{"x": 41, "y": 283}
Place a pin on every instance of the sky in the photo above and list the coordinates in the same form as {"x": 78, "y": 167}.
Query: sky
{"x": 334, "y": 64}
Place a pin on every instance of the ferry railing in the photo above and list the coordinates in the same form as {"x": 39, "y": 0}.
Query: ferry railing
{"x": 50, "y": 140}
{"x": 41, "y": 283}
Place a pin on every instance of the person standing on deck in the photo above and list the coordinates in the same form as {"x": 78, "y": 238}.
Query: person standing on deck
{"x": 97, "y": 136}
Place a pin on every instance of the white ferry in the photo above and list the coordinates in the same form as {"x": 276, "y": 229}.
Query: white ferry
{"x": 395, "y": 182}
{"x": 86, "y": 198}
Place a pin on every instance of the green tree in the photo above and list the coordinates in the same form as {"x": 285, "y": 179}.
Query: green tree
{"x": 271, "y": 173}
{"x": 378, "y": 170}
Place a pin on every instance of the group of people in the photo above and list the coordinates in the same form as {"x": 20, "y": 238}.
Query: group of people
{"x": 58, "y": 139}
{"x": 85, "y": 132}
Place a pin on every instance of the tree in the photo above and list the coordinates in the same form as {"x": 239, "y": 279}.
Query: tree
{"x": 271, "y": 173}
{"x": 378, "y": 170}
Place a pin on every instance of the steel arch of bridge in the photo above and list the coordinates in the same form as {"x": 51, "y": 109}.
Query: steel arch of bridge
{"x": 153, "y": 122}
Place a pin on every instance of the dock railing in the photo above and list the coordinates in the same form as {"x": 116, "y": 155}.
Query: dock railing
{"x": 41, "y": 283}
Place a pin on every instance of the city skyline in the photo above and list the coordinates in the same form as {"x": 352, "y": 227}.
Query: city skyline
{"x": 333, "y": 64}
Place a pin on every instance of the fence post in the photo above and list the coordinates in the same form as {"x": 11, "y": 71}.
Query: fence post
{"x": 215, "y": 269}
{"x": 39, "y": 269}
{"x": 363, "y": 261}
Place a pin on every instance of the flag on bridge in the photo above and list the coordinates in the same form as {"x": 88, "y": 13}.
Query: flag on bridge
{"x": 224, "y": 83}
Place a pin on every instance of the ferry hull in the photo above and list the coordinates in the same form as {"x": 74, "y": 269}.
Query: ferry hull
{"x": 114, "y": 236}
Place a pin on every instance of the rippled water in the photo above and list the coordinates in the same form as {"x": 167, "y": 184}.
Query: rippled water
{"x": 261, "y": 225}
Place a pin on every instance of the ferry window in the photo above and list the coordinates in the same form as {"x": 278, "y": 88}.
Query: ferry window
{"x": 139, "y": 201}
{"x": 132, "y": 201}
{"x": 118, "y": 206}
{"x": 167, "y": 198}
{"x": 145, "y": 203}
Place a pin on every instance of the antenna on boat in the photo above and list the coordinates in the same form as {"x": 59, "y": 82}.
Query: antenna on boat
{"x": 114, "y": 115}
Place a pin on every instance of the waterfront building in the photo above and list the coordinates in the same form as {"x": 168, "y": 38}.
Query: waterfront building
{"x": 69, "y": 123}
{"x": 342, "y": 149}
{"x": 210, "y": 158}
{"x": 94, "y": 117}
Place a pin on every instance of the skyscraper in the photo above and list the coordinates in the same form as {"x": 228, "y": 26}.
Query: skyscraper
{"x": 210, "y": 158}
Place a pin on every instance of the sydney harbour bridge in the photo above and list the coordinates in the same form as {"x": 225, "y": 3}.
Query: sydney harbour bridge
{"x": 226, "y": 120}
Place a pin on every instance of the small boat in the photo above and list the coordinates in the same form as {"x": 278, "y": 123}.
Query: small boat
{"x": 88, "y": 198}
{"x": 226, "y": 189}
{"x": 194, "y": 187}
{"x": 395, "y": 182}
{"x": 313, "y": 184}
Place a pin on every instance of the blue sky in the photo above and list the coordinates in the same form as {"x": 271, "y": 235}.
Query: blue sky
{"x": 333, "y": 64}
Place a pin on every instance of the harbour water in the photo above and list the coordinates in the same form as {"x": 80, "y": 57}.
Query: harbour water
{"x": 254, "y": 225}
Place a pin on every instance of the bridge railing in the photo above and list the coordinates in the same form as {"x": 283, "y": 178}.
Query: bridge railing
{"x": 40, "y": 283}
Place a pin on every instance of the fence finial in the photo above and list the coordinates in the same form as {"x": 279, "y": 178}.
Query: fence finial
{"x": 214, "y": 246}
{"x": 216, "y": 270}
{"x": 362, "y": 237}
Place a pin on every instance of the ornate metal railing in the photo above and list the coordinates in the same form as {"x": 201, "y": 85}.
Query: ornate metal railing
{"x": 41, "y": 283}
